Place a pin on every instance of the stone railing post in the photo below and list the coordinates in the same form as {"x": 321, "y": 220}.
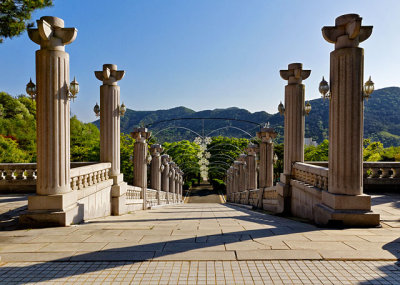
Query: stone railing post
{"x": 172, "y": 180}
{"x": 177, "y": 183}
{"x": 294, "y": 129}
{"x": 165, "y": 176}
{"x": 140, "y": 161}
{"x": 236, "y": 178}
{"x": 266, "y": 168}
{"x": 345, "y": 202}
{"x": 110, "y": 132}
{"x": 156, "y": 169}
{"x": 54, "y": 202}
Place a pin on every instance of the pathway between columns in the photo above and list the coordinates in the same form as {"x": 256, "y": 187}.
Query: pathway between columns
{"x": 204, "y": 194}
{"x": 200, "y": 242}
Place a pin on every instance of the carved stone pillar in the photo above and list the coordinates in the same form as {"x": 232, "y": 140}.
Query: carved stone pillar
{"x": 242, "y": 173}
{"x": 345, "y": 202}
{"x": 140, "y": 161}
{"x": 54, "y": 202}
{"x": 236, "y": 179}
{"x": 165, "y": 176}
{"x": 251, "y": 168}
{"x": 177, "y": 183}
{"x": 156, "y": 169}
{"x": 110, "y": 132}
{"x": 172, "y": 180}
{"x": 294, "y": 129}
{"x": 266, "y": 167}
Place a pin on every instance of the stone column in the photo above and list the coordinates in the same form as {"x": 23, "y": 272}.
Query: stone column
{"x": 294, "y": 129}
{"x": 345, "y": 202}
{"x": 110, "y": 132}
{"x": 156, "y": 169}
{"x": 172, "y": 180}
{"x": 266, "y": 167}
{"x": 236, "y": 179}
{"x": 228, "y": 183}
{"x": 54, "y": 202}
{"x": 251, "y": 168}
{"x": 181, "y": 182}
{"x": 165, "y": 175}
{"x": 140, "y": 161}
{"x": 177, "y": 183}
{"x": 242, "y": 173}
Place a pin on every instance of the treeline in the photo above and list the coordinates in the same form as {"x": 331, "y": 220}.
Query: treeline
{"x": 18, "y": 145}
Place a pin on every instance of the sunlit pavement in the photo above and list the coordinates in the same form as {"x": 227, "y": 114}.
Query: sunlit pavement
{"x": 204, "y": 244}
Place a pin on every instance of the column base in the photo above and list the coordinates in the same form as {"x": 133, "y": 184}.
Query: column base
{"x": 118, "y": 199}
{"x": 52, "y": 218}
{"x": 284, "y": 192}
{"x": 327, "y": 216}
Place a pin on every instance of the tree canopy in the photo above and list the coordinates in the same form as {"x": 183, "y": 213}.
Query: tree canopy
{"x": 14, "y": 15}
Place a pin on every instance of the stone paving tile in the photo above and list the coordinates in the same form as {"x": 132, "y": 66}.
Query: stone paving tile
{"x": 265, "y": 254}
{"x": 202, "y": 272}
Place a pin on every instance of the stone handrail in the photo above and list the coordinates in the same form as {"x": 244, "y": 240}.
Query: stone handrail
{"x": 133, "y": 193}
{"x": 314, "y": 175}
{"x": 85, "y": 176}
{"x": 381, "y": 170}
{"x": 151, "y": 194}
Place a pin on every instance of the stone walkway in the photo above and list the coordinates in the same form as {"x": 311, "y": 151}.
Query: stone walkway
{"x": 200, "y": 243}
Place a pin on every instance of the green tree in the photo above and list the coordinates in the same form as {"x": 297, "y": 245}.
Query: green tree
{"x": 317, "y": 153}
{"x": 10, "y": 153}
{"x": 16, "y": 13}
{"x": 127, "y": 145}
{"x": 85, "y": 141}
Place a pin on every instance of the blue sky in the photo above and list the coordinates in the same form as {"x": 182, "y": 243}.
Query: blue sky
{"x": 204, "y": 54}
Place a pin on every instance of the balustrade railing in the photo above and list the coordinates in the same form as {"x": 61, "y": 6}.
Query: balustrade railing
{"x": 314, "y": 175}
{"x": 86, "y": 176}
{"x": 133, "y": 193}
{"x": 381, "y": 170}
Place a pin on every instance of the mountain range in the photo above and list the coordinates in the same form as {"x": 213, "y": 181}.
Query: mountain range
{"x": 381, "y": 120}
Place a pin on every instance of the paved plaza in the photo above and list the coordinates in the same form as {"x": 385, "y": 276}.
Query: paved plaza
{"x": 204, "y": 243}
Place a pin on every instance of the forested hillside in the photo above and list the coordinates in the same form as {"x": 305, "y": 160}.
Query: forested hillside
{"x": 382, "y": 120}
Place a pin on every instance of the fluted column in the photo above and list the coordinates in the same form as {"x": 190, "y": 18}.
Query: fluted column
{"x": 172, "y": 180}
{"x": 140, "y": 161}
{"x": 294, "y": 129}
{"x": 165, "y": 175}
{"x": 251, "y": 164}
{"x": 344, "y": 200}
{"x": 236, "y": 178}
{"x": 242, "y": 173}
{"x": 177, "y": 184}
{"x": 266, "y": 167}
{"x": 156, "y": 169}
{"x": 110, "y": 132}
{"x": 53, "y": 126}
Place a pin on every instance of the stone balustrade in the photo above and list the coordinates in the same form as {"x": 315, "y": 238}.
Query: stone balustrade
{"x": 133, "y": 193}
{"x": 86, "y": 176}
{"x": 314, "y": 175}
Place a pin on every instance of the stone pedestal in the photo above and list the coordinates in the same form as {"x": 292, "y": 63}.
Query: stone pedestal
{"x": 165, "y": 175}
{"x": 156, "y": 169}
{"x": 294, "y": 129}
{"x": 54, "y": 203}
{"x": 140, "y": 161}
{"x": 110, "y": 133}
{"x": 345, "y": 203}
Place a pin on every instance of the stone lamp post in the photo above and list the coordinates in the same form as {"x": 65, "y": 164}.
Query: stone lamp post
{"x": 266, "y": 168}
{"x": 54, "y": 202}
{"x": 344, "y": 203}
{"x": 140, "y": 161}
{"x": 110, "y": 112}
{"x": 165, "y": 175}
{"x": 294, "y": 129}
{"x": 156, "y": 169}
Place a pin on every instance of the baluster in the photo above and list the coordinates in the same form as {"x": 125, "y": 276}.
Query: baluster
{"x": 86, "y": 180}
{"x": 384, "y": 172}
{"x": 99, "y": 176}
{"x": 74, "y": 183}
{"x": 375, "y": 172}
{"x": 2, "y": 177}
{"x": 396, "y": 172}
{"x": 365, "y": 172}
{"x": 30, "y": 174}
{"x": 107, "y": 173}
{"x": 19, "y": 174}
{"x": 10, "y": 174}
{"x": 81, "y": 182}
